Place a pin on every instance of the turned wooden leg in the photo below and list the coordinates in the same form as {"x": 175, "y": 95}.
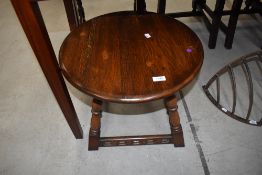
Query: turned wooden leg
{"x": 94, "y": 133}
{"x": 174, "y": 120}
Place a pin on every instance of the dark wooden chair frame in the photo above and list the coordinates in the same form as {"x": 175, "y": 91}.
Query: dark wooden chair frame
{"x": 76, "y": 16}
{"x": 200, "y": 8}
{"x": 236, "y": 10}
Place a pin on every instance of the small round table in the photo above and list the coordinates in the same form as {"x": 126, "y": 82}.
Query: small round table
{"x": 129, "y": 58}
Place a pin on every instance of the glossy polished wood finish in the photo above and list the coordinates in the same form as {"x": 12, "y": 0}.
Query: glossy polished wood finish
{"x": 94, "y": 133}
{"x": 32, "y": 22}
{"x": 74, "y": 12}
{"x": 174, "y": 121}
{"x": 109, "y": 57}
{"x": 176, "y": 137}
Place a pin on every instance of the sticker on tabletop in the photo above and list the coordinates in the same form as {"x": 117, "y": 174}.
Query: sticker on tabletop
{"x": 147, "y": 35}
{"x": 189, "y": 50}
{"x": 159, "y": 78}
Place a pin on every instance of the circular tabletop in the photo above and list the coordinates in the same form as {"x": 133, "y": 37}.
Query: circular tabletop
{"x": 128, "y": 58}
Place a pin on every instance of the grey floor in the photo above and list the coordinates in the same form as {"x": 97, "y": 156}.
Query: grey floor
{"x": 35, "y": 138}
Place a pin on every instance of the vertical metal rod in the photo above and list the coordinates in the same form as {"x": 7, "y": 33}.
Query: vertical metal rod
{"x": 233, "y": 83}
{"x": 250, "y": 86}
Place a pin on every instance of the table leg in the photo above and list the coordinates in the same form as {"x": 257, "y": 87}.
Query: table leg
{"x": 94, "y": 133}
{"x": 174, "y": 120}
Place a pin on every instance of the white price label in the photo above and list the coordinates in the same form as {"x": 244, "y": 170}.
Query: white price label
{"x": 147, "y": 35}
{"x": 159, "y": 78}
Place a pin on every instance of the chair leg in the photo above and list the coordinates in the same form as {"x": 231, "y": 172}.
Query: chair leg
{"x": 195, "y": 3}
{"x": 232, "y": 23}
{"x": 248, "y": 4}
{"x": 140, "y": 6}
{"x": 161, "y": 6}
{"x": 216, "y": 20}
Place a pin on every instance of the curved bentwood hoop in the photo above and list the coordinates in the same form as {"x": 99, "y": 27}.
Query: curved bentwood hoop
{"x": 247, "y": 64}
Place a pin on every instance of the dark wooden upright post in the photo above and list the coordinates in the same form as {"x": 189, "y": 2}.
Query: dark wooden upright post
{"x": 140, "y": 6}
{"x": 74, "y": 12}
{"x": 216, "y": 20}
{"x": 71, "y": 14}
{"x": 161, "y": 6}
{"x": 232, "y": 23}
{"x": 32, "y": 22}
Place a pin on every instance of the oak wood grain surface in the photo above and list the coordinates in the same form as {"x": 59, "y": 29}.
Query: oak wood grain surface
{"x": 110, "y": 58}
